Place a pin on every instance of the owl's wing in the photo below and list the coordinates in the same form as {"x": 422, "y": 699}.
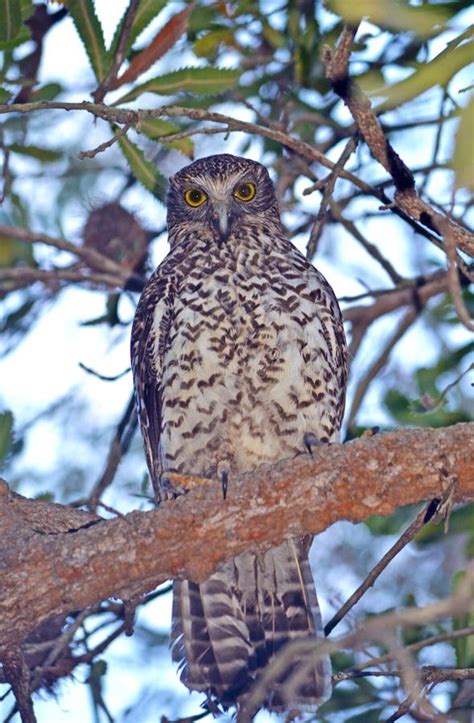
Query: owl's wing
{"x": 150, "y": 337}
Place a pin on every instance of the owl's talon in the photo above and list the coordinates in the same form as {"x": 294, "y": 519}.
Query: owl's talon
{"x": 224, "y": 482}
{"x": 310, "y": 440}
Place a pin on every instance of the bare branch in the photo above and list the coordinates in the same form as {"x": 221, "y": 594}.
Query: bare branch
{"x": 406, "y": 198}
{"x": 93, "y": 258}
{"x": 407, "y": 536}
{"x": 135, "y": 117}
{"x": 107, "y": 83}
{"x": 329, "y": 184}
{"x": 414, "y": 647}
{"x": 369, "y": 247}
{"x": 21, "y": 276}
{"x": 379, "y": 363}
{"x": 107, "y": 144}
{"x": 415, "y": 293}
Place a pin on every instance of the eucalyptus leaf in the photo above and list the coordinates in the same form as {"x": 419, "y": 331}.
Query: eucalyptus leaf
{"x": 146, "y": 12}
{"x": 45, "y": 155}
{"x": 201, "y": 81}
{"x": 90, "y": 31}
{"x": 10, "y": 14}
{"x": 158, "y": 129}
{"x": 144, "y": 171}
{"x": 6, "y": 435}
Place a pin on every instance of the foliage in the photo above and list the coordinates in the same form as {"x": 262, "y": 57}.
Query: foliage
{"x": 260, "y": 64}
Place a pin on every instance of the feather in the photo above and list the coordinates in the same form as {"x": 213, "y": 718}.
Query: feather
{"x": 227, "y": 629}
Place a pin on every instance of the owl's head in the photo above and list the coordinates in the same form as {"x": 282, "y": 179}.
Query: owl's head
{"x": 220, "y": 194}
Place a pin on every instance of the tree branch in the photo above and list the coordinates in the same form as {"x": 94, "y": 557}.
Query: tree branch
{"x": 422, "y": 220}
{"x": 407, "y": 199}
{"x": 55, "y": 560}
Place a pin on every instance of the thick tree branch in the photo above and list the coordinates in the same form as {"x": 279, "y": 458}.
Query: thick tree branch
{"x": 46, "y": 570}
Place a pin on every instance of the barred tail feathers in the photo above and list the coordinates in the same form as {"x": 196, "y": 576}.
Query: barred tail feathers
{"x": 226, "y": 630}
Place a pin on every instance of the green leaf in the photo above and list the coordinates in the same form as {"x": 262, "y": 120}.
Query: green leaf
{"x": 273, "y": 36}
{"x": 393, "y": 15}
{"x": 438, "y": 71}
{"x": 464, "y": 646}
{"x": 463, "y": 160}
{"x": 22, "y": 37}
{"x": 461, "y": 521}
{"x": 158, "y": 129}
{"x": 49, "y": 91}
{"x": 208, "y": 44}
{"x": 4, "y": 95}
{"x": 146, "y": 12}
{"x": 202, "y": 81}
{"x": 10, "y": 25}
{"x": 6, "y": 436}
{"x": 46, "y": 155}
{"x": 144, "y": 171}
{"x": 90, "y": 31}
{"x": 401, "y": 408}
{"x": 14, "y": 252}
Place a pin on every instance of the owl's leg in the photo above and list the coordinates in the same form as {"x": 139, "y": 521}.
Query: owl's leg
{"x": 310, "y": 440}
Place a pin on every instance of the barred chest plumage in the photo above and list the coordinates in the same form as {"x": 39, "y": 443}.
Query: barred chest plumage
{"x": 252, "y": 362}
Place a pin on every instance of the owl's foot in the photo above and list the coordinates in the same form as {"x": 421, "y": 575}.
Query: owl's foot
{"x": 174, "y": 484}
{"x": 310, "y": 440}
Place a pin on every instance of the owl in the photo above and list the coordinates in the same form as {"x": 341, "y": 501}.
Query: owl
{"x": 239, "y": 359}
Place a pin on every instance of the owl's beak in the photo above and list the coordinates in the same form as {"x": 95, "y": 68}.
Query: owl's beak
{"x": 220, "y": 219}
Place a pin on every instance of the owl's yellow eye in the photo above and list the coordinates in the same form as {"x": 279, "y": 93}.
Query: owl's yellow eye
{"x": 245, "y": 192}
{"x": 194, "y": 197}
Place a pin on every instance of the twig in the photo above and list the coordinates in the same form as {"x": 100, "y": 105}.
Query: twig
{"x": 119, "y": 446}
{"x": 414, "y": 647}
{"x": 307, "y": 151}
{"x": 453, "y": 278}
{"x": 103, "y": 377}
{"x": 21, "y": 276}
{"x": 6, "y": 169}
{"x": 103, "y": 88}
{"x": 369, "y": 247}
{"x": 379, "y": 363}
{"x": 17, "y": 674}
{"x": 376, "y": 629}
{"x": 61, "y": 642}
{"x": 391, "y": 299}
{"x": 330, "y": 182}
{"x": 107, "y": 144}
{"x": 407, "y": 536}
{"x": 429, "y": 674}
{"x": 406, "y": 198}
{"x": 93, "y": 258}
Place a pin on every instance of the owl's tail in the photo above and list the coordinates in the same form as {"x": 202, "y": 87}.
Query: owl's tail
{"x": 227, "y": 629}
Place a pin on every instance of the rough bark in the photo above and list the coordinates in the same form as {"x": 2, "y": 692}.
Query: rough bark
{"x": 54, "y": 560}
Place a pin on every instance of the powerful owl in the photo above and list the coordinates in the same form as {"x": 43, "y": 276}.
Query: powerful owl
{"x": 239, "y": 359}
